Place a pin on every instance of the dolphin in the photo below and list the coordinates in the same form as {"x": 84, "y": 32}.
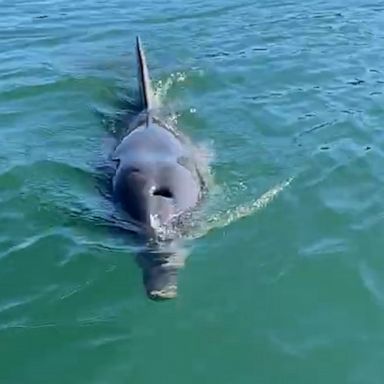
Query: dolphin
{"x": 157, "y": 183}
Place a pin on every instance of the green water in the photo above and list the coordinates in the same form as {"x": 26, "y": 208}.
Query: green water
{"x": 288, "y": 289}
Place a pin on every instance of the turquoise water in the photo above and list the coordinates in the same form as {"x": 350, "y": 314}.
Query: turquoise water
{"x": 285, "y": 281}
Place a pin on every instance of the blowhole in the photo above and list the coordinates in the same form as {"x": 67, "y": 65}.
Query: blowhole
{"x": 164, "y": 192}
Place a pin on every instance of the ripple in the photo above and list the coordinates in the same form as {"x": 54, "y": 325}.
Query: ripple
{"x": 289, "y": 88}
{"x": 215, "y": 12}
{"x": 373, "y": 282}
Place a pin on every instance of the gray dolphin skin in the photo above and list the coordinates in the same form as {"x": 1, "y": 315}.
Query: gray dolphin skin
{"x": 156, "y": 182}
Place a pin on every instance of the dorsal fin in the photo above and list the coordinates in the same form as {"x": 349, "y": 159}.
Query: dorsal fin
{"x": 145, "y": 89}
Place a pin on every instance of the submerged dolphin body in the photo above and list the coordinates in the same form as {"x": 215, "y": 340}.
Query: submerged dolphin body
{"x": 156, "y": 182}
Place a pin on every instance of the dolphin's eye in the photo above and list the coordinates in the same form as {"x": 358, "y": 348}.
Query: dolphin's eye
{"x": 164, "y": 192}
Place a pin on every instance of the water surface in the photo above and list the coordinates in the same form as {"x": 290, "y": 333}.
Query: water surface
{"x": 286, "y": 289}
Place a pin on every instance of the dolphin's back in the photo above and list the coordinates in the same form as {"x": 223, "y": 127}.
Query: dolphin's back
{"x": 150, "y": 141}
{"x": 157, "y": 183}
{"x": 155, "y": 175}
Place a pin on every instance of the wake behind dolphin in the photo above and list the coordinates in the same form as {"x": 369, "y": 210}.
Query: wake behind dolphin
{"x": 223, "y": 218}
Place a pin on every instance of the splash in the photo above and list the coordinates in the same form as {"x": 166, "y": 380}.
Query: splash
{"x": 162, "y": 87}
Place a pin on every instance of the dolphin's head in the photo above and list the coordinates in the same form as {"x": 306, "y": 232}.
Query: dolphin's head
{"x": 160, "y": 270}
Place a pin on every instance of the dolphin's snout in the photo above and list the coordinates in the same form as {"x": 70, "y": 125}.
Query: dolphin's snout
{"x": 160, "y": 274}
{"x": 161, "y": 282}
{"x": 169, "y": 292}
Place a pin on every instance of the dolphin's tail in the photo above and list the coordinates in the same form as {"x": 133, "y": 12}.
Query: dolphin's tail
{"x": 145, "y": 89}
